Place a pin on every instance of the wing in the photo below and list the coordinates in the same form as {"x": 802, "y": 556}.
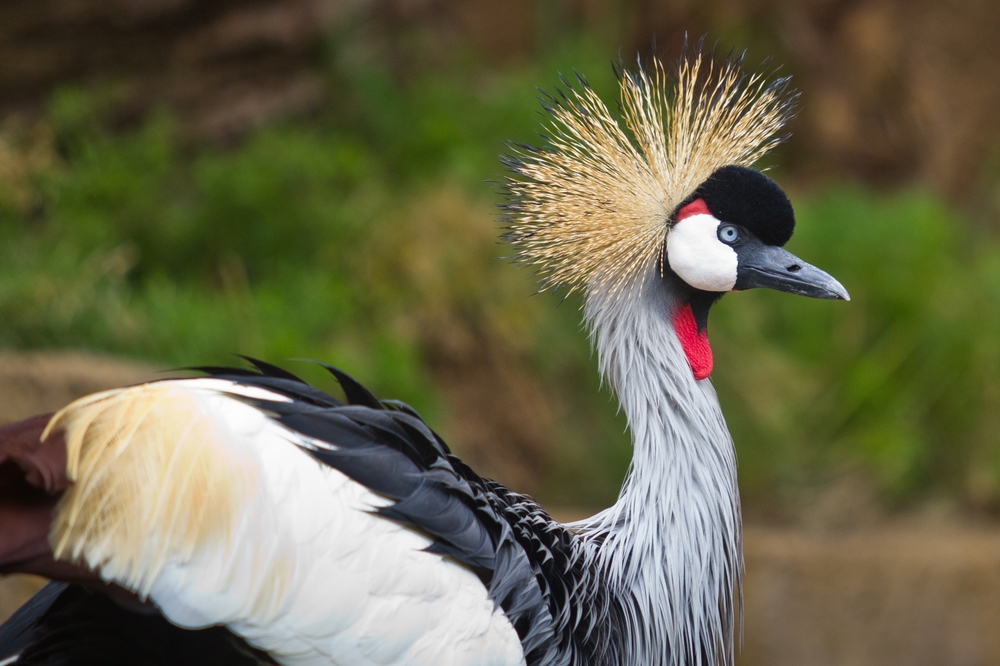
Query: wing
{"x": 318, "y": 531}
{"x": 385, "y": 446}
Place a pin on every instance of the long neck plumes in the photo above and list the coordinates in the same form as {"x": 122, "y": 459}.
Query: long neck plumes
{"x": 670, "y": 547}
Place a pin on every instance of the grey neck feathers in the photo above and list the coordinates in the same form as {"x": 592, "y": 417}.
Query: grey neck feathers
{"x": 671, "y": 547}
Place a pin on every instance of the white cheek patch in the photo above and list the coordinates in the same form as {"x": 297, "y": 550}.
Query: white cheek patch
{"x": 696, "y": 254}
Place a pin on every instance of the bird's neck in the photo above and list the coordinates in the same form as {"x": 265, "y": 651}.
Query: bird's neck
{"x": 671, "y": 544}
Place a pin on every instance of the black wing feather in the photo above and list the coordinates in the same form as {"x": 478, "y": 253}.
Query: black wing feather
{"x": 356, "y": 393}
{"x": 270, "y": 370}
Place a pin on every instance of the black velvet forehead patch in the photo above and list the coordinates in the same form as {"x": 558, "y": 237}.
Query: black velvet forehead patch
{"x": 750, "y": 199}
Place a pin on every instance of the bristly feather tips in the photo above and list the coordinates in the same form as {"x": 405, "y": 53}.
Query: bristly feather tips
{"x": 592, "y": 208}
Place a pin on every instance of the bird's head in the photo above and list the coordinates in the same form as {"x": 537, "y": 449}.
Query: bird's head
{"x": 666, "y": 197}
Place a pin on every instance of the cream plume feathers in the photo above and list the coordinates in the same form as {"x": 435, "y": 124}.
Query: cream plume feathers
{"x": 593, "y": 208}
{"x": 152, "y": 480}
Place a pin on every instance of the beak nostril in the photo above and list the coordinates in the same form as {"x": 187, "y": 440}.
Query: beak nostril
{"x": 794, "y": 268}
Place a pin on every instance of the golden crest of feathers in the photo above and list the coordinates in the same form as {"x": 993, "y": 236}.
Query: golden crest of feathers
{"x": 592, "y": 209}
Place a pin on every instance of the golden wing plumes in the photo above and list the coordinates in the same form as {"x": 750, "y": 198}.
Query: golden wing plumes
{"x": 151, "y": 480}
{"x": 592, "y": 208}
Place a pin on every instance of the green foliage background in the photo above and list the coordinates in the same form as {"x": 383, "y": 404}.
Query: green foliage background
{"x": 357, "y": 235}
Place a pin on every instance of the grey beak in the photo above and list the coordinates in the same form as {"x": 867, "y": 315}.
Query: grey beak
{"x": 774, "y": 267}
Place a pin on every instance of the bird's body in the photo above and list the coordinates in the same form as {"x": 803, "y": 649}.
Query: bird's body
{"x": 318, "y": 532}
{"x": 381, "y": 549}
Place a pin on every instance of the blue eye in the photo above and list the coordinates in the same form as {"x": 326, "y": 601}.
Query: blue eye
{"x": 728, "y": 233}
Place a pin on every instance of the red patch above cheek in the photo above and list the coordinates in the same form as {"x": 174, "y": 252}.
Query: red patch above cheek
{"x": 696, "y": 207}
{"x": 694, "y": 343}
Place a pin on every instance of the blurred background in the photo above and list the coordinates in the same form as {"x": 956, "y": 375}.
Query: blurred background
{"x": 181, "y": 181}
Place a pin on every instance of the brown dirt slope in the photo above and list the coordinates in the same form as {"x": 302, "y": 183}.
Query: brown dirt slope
{"x": 920, "y": 596}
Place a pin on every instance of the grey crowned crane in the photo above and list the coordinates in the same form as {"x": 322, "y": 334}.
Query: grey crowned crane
{"x": 245, "y": 517}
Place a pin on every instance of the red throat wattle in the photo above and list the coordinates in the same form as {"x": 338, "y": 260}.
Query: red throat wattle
{"x": 693, "y": 342}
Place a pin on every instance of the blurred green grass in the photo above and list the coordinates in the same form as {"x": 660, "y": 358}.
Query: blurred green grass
{"x": 365, "y": 237}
